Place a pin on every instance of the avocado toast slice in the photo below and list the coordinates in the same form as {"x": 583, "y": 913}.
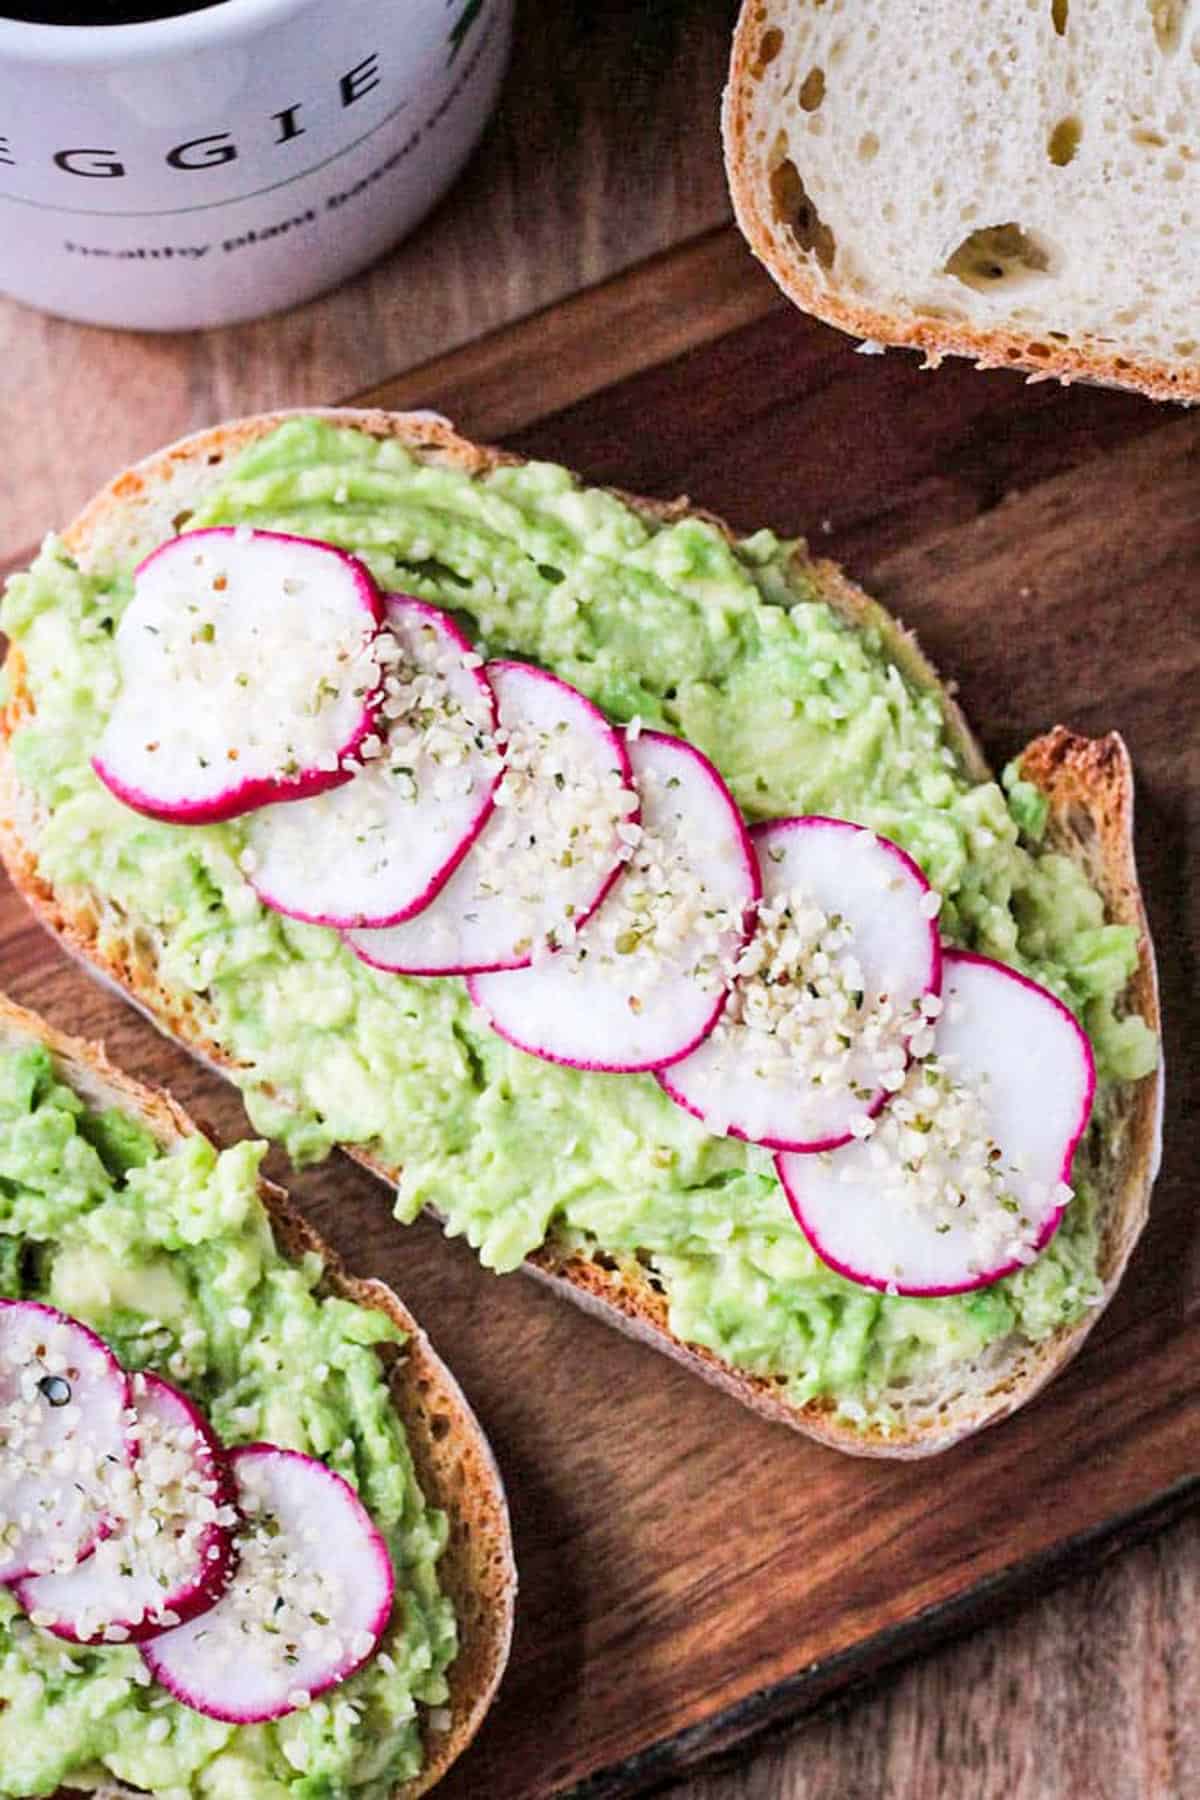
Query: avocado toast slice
{"x": 629, "y": 557}
{"x": 452, "y": 1469}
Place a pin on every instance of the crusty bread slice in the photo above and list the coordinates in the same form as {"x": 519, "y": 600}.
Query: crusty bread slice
{"x": 1012, "y": 182}
{"x": 1090, "y": 792}
{"x": 453, "y": 1460}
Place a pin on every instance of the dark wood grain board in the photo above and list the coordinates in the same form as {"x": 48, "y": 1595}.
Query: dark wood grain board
{"x": 689, "y": 1574}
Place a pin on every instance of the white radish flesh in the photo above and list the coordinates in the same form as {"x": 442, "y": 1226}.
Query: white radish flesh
{"x": 563, "y": 827}
{"x": 645, "y": 979}
{"x": 307, "y": 1606}
{"x": 378, "y": 849}
{"x": 839, "y": 979}
{"x": 965, "y": 1177}
{"x": 248, "y": 675}
{"x": 170, "y": 1551}
{"x": 64, "y": 1400}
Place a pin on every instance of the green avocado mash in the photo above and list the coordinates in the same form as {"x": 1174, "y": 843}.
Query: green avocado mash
{"x": 733, "y": 648}
{"x": 170, "y": 1257}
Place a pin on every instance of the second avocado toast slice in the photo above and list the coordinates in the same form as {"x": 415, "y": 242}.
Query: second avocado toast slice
{"x": 809, "y": 699}
{"x": 117, "y": 1211}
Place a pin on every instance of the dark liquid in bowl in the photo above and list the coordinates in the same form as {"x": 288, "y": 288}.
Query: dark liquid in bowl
{"x": 101, "y": 12}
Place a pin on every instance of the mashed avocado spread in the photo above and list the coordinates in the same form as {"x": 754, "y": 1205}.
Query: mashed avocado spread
{"x": 732, "y": 647}
{"x": 170, "y": 1257}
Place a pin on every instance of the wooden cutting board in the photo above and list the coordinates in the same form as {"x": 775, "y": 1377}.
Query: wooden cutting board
{"x": 691, "y": 1576}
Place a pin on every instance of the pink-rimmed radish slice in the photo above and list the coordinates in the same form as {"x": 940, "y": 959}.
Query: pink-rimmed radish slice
{"x": 840, "y": 978}
{"x": 307, "y": 1606}
{"x": 170, "y": 1551}
{"x": 378, "y": 849}
{"x": 248, "y": 675}
{"x": 645, "y": 979}
{"x": 563, "y": 828}
{"x": 64, "y": 1438}
{"x": 964, "y": 1178}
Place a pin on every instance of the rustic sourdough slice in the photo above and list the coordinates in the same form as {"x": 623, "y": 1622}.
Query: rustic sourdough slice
{"x": 1015, "y": 183}
{"x": 1088, "y": 785}
{"x": 453, "y": 1460}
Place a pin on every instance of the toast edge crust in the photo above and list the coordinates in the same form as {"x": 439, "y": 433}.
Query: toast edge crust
{"x": 453, "y": 1460}
{"x": 1088, "y": 784}
{"x": 936, "y": 338}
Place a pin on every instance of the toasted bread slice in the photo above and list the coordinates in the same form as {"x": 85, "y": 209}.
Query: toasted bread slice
{"x": 1090, "y": 793}
{"x": 453, "y": 1460}
{"x": 1005, "y": 185}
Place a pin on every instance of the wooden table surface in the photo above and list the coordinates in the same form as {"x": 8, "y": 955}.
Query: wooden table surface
{"x": 606, "y": 150}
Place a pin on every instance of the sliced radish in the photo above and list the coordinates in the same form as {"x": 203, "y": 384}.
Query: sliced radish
{"x": 964, "y": 1178}
{"x": 839, "y": 979}
{"x": 170, "y": 1552}
{"x": 307, "y": 1606}
{"x": 563, "y": 828}
{"x": 64, "y": 1438}
{"x": 644, "y": 981}
{"x": 378, "y": 849}
{"x": 248, "y": 674}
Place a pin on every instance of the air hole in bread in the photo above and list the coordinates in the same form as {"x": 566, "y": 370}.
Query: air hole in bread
{"x": 1150, "y": 140}
{"x": 868, "y": 147}
{"x": 180, "y": 520}
{"x": 647, "y": 1262}
{"x": 792, "y": 207}
{"x": 769, "y": 46}
{"x": 1064, "y": 141}
{"x": 1058, "y": 13}
{"x": 812, "y": 90}
{"x": 1186, "y": 347}
{"x": 997, "y": 256}
{"x": 1167, "y": 16}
